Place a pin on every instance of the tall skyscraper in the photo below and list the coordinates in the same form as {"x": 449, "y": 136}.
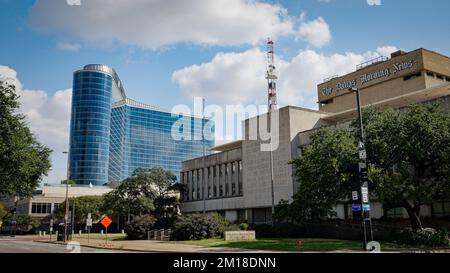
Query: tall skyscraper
{"x": 112, "y": 135}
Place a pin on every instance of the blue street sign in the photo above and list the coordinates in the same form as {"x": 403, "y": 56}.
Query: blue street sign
{"x": 366, "y": 207}
{"x": 356, "y": 207}
{"x": 13, "y": 222}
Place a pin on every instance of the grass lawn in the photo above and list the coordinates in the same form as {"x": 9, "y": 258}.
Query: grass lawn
{"x": 111, "y": 237}
{"x": 284, "y": 244}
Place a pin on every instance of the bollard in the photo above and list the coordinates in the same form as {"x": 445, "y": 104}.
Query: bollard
{"x": 79, "y": 232}
{"x": 44, "y": 233}
{"x": 300, "y": 243}
{"x": 101, "y": 232}
{"x": 123, "y": 232}
{"x": 40, "y": 233}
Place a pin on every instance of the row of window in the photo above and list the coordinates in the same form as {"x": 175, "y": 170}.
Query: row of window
{"x": 438, "y": 76}
{"x": 93, "y": 79}
{"x": 193, "y": 191}
{"x": 90, "y": 94}
{"x": 43, "y": 208}
{"x": 86, "y": 74}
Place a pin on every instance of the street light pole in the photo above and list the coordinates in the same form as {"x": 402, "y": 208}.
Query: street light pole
{"x": 204, "y": 185}
{"x": 66, "y": 215}
{"x": 363, "y": 191}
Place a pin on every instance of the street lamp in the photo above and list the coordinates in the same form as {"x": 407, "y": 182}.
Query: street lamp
{"x": 66, "y": 215}
{"x": 362, "y": 192}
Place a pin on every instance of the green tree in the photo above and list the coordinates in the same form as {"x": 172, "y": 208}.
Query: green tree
{"x": 409, "y": 156}
{"x": 323, "y": 174}
{"x": 166, "y": 201}
{"x": 147, "y": 191}
{"x": 3, "y": 211}
{"x": 23, "y": 160}
{"x": 83, "y": 206}
{"x": 134, "y": 196}
{"x": 69, "y": 182}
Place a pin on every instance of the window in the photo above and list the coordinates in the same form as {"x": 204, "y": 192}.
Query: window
{"x": 441, "y": 209}
{"x": 395, "y": 213}
{"x": 412, "y": 76}
{"x": 430, "y": 74}
{"x": 41, "y": 208}
{"x": 440, "y": 77}
{"x": 323, "y": 103}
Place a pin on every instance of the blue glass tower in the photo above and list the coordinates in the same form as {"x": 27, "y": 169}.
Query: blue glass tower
{"x": 111, "y": 135}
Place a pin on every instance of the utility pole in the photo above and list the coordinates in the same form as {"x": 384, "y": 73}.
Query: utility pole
{"x": 66, "y": 215}
{"x": 362, "y": 192}
{"x": 203, "y": 159}
{"x": 272, "y": 106}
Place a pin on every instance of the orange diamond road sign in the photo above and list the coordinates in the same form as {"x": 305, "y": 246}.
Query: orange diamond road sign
{"x": 106, "y": 221}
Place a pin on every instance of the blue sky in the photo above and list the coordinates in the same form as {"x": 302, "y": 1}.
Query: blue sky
{"x": 170, "y": 51}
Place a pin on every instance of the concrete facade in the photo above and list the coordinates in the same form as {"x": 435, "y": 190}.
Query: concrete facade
{"x": 379, "y": 80}
{"x": 420, "y": 76}
{"x": 252, "y": 178}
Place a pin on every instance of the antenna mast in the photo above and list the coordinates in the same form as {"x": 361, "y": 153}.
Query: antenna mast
{"x": 272, "y": 105}
{"x": 271, "y": 77}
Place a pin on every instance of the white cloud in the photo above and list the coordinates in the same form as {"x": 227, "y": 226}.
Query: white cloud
{"x": 231, "y": 78}
{"x": 48, "y": 117}
{"x": 157, "y": 23}
{"x": 316, "y": 32}
{"x": 228, "y": 77}
{"x": 68, "y": 46}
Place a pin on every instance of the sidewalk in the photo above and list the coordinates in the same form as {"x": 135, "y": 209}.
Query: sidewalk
{"x": 155, "y": 246}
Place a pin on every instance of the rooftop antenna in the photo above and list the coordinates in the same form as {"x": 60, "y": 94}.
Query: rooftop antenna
{"x": 271, "y": 76}
{"x": 272, "y": 106}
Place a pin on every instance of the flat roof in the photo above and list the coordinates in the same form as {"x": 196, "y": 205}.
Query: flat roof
{"x": 228, "y": 146}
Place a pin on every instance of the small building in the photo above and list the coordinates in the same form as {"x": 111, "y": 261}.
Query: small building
{"x": 47, "y": 199}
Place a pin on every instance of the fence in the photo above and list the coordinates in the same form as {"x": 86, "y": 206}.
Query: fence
{"x": 350, "y": 231}
{"x": 159, "y": 234}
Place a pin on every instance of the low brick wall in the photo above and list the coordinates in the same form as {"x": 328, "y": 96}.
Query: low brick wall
{"x": 240, "y": 235}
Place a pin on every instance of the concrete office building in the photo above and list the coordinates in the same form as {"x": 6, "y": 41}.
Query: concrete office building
{"x": 237, "y": 179}
{"x": 111, "y": 135}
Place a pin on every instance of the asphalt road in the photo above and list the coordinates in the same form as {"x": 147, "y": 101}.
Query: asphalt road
{"x": 16, "y": 245}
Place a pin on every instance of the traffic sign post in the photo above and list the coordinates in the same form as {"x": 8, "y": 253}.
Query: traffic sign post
{"x": 89, "y": 225}
{"x": 51, "y": 229}
{"x": 106, "y": 221}
{"x": 361, "y": 184}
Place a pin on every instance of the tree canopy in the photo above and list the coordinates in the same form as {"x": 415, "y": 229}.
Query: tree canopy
{"x": 323, "y": 172}
{"x": 83, "y": 206}
{"x": 146, "y": 192}
{"x": 23, "y": 160}
{"x": 408, "y": 154}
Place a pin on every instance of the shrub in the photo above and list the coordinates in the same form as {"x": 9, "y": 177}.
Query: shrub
{"x": 243, "y": 226}
{"x": 138, "y": 228}
{"x": 197, "y": 227}
{"x": 424, "y": 237}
